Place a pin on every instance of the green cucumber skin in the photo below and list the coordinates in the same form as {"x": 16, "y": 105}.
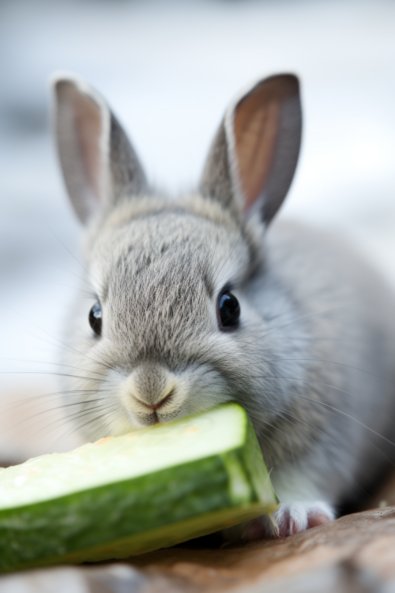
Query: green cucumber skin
{"x": 257, "y": 471}
{"x": 50, "y": 531}
{"x": 144, "y": 513}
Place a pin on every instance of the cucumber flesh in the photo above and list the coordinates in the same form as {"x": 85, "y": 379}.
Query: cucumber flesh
{"x": 135, "y": 493}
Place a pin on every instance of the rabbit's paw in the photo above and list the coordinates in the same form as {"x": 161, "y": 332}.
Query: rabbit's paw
{"x": 299, "y": 516}
{"x": 287, "y": 520}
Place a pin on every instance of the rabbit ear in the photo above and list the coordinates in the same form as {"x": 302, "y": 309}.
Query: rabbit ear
{"x": 254, "y": 154}
{"x": 99, "y": 164}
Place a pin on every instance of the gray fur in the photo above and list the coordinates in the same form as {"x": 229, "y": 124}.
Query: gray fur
{"x": 312, "y": 360}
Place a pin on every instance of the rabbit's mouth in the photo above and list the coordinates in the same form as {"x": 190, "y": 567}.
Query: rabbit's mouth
{"x": 156, "y": 418}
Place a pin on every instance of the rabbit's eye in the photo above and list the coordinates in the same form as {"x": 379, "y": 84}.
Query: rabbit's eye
{"x": 95, "y": 318}
{"x": 228, "y": 310}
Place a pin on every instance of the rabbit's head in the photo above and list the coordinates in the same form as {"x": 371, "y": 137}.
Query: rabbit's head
{"x": 167, "y": 322}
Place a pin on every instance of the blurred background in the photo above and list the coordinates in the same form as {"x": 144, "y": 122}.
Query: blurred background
{"x": 169, "y": 69}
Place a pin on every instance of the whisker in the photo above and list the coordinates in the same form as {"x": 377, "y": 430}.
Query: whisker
{"x": 73, "y": 256}
{"x": 53, "y": 364}
{"x": 78, "y": 427}
{"x": 351, "y": 417}
{"x": 330, "y": 406}
{"x": 63, "y": 407}
{"x": 71, "y": 420}
{"x": 298, "y": 318}
{"x": 31, "y": 399}
{"x": 87, "y": 355}
{"x": 48, "y": 373}
{"x": 86, "y": 411}
{"x": 323, "y": 361}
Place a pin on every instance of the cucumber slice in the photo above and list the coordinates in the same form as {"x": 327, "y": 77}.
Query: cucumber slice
{"x": 135, "y": 493}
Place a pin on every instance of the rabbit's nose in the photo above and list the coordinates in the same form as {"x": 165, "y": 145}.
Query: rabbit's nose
{"x": 153, "y": 393}
{"x": 153, "y": 388}
{"x": 154, "y": 406}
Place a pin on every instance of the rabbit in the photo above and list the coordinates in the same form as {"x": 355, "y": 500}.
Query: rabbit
{"x": 198, "y": 299}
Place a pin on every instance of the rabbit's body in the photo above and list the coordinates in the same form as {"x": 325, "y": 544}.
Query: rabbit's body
{"x": 198, "y": 304}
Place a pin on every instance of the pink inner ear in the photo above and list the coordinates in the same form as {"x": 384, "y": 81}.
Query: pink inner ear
{"x": 88, "y": 128}
{"x": 256, "y": 130}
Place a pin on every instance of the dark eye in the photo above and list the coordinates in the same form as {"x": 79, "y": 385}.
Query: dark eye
{"x": 95, "y": 318}
{"x": 228, "y": 310}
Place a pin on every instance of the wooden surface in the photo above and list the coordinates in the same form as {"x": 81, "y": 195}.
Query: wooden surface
{"x": 354, "y": 553}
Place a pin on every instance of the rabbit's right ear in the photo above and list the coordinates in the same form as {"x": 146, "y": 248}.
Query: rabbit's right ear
{"x": 99, "y": 164}
{"x": 254, "y": 154}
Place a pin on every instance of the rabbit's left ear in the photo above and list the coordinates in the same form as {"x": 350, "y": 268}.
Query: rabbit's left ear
{"x": 254, "y": 154}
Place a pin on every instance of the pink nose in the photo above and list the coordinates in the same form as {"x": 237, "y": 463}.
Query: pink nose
{"x": 155, "y": 406}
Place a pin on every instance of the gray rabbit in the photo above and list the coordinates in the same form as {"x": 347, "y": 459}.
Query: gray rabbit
{"x": 193, "y": 301}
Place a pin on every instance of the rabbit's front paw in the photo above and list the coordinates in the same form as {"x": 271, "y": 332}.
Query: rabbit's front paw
{"x": 289, "y": 519}
{"x": 299, "y": 516}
